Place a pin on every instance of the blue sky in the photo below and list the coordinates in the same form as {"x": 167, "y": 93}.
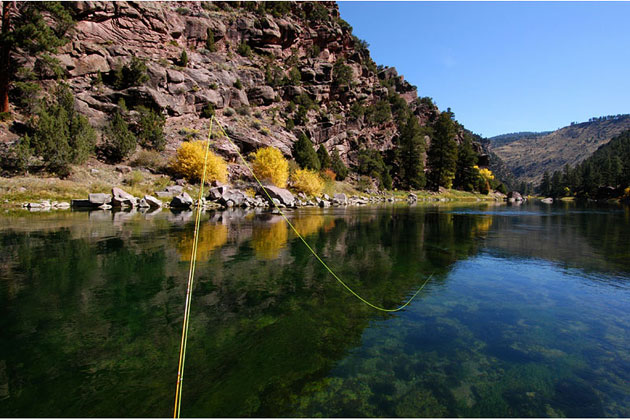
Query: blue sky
{"x": 505, "y": 67}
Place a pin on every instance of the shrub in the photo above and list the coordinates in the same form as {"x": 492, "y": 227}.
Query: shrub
{"x": 151, "y": 129}
{"x": 61, "y": 136}
{"x": 134, "y": 178}
{"x": 342, "y": 74}
{"x": 290, "y": 124}
{"x": 210, "y": 45}
{"x": 120, "y": 142}
{"x": 133, "y": 74}
{"x": 207, "y": 111}
{"x": 307, "y": 181}
{"x": 189, "y": 161}
{"x": 183, "y": 11}
{"x": 183, "y": 59}
{"x": 270, "y": 165}
{"x": 329, "y": 175}
{"x": 238, "y": 85}
{"x": 244, "y": 50}
{"x": 244, "y": 110}
{"x": 151, "y": 160}
{"x": 228, "y": 112}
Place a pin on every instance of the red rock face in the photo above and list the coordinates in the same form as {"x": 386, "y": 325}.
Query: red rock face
{"x": 260, "y": 62}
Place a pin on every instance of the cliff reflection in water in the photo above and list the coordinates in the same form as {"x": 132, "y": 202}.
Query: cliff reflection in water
{"x": 91, "y": 307}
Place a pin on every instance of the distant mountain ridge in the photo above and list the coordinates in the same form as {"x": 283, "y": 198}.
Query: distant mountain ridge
{"x": 529, "y": 155}
{"x": 512, "y": 137}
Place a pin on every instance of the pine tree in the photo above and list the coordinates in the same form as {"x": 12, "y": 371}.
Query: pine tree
{"x": 442, "y": 155}
{"x": 324, "y": 157}
{"x": 466, "y": 174}
{"x": 410, "y": 154}
{"x": 210, "y": 45}
{"x": 62, "y": 136}
{"x": 556, "y": 185}
{"x": 120, "y": 141}
{"x": 304, "y": 153}
{"x": 545, "y": 185}
{"x": 338, "y": 167}
{"x": 24, "y": 26}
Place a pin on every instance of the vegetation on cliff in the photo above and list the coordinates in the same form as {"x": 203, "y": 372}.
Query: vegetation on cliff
{"x": 291, "y": 76}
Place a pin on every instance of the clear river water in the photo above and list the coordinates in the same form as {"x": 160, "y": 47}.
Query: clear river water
{"x": 527, "y": 313}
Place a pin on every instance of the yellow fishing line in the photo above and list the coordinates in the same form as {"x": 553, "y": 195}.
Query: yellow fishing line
{"x": 191, "y": 277}
{"x": 193, "y": 264}
{"x": 308, "y": 246}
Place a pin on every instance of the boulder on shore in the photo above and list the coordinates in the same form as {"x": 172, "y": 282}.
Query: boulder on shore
{"x": 283, "y": 195}
{"x": 122, "y": 198}
{"x": 182, "y": 201}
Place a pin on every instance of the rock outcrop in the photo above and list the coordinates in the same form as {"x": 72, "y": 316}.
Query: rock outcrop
{"x": 268, "y": 71}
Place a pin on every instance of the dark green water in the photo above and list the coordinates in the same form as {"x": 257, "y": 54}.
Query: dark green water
{"x": 527, "y": 314}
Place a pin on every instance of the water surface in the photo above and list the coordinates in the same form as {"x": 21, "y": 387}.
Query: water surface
{"x": 527, "y": 313}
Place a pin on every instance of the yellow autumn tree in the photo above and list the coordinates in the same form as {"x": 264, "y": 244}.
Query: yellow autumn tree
{"x": 307, "y": 181}
{"x": 269, "y": 165}
{"x": 189, "y": 162}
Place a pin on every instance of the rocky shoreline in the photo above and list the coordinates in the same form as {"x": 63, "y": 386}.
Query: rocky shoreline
{"x": 219, "y": 196}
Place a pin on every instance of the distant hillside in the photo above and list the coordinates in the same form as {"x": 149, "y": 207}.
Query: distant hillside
{"x": 503, "y": 139}
{"x": 530, "y": 156}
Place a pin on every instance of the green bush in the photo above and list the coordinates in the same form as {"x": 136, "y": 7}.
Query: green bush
{"x": 183, "y": 59}
{"x": 61, "y": 136}
{"x": 132, "y": 74}
{"x": 119, "y": 140}
{"x": 210, "y": 45}
{"x": 238, "y": 85}
{"x": 207, "y": 111}
{"x": 378, "y": 113}
{"x": 342, "y": 74}
{"x": 244, "y": 50}
{"x": 150, "y": 159}
{"x": 150, "y": 129}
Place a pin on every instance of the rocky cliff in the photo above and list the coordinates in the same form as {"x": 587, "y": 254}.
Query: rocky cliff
{"x": 267, "y": 70}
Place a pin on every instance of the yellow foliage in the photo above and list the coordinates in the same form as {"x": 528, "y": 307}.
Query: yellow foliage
{"x": 308, "y": 182}
{"x": 626, "y": 193}
{"x": 210, "y": 237}
{"x": 270, "y": 165}
{"x": 189, "y": 162}
{"x": 269, "y": 239}
{"x": 486, "y": 174}
{"x": 308, "y": 224}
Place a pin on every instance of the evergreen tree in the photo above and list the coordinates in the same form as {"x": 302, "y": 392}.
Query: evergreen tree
{"x": 304, "y": 153}
{"x": 410, "y": 154}
{"x": 38, "y": 28}
{"x": 324, "y": 157}
{"x": 557, "y": 189}
{"x": 119, "y": 140}
{"x": 61, "y": 136}
{"x": 442, "y": 155}
{"x": 210, "y": 45}
{"x": 338, "y": 167}
{"x": 467, "y": 174}
{"x": 150, "y": 129}
{"x": 545, "y": 185}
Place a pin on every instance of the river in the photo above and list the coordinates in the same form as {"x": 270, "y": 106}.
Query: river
{"x": 526, "y": 313}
